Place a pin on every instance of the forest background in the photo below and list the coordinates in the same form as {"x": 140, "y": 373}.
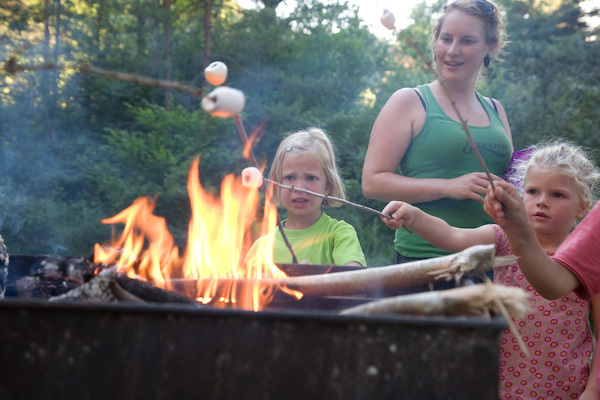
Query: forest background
{"x": 77, "y": 148}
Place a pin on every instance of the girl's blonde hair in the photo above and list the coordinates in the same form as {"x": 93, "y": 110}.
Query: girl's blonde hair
{"x": 567, "y": 159}
{"x": 488, "y": 11}
{"x": 317, "y": 143}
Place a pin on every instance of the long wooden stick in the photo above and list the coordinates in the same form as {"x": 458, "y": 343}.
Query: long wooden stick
{"x": 330, "y": 198}
{"x": 12, "y": 67}
{"x": 472, "y": 261}
{"x": 467, "y": 300}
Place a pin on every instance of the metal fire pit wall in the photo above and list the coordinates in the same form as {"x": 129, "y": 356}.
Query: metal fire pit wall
{"x": 294, "y": 350}
{"x": 88, "y": 351}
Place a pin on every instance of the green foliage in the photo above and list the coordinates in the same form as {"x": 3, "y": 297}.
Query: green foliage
{"x": 548, "y": 82}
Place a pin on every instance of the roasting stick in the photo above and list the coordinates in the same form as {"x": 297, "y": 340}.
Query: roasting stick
{"x": 330, "y": 198}
{"x": 463, "y": 122}
{"x": 12, "y": 67}
{"x": 252, "y": 177}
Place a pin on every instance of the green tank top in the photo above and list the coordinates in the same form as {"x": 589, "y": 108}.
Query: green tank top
{"x": 442, "y": 150}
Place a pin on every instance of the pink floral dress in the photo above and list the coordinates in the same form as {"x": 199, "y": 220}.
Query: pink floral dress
{"x": 557, "y": 334}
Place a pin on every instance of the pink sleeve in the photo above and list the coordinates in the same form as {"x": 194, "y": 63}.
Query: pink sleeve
{"x": 580, "y": 253}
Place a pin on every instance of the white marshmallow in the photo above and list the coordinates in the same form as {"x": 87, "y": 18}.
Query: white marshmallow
{"x": 224, "y": 102}
{"x": 216, "y": 73}
{"x": 387, "y": 19}
{"x": 252, "y": 177}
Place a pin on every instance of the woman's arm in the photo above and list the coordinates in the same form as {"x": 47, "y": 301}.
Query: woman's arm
{"x": 435, "y": 230}
{"x": 398, "y": 121}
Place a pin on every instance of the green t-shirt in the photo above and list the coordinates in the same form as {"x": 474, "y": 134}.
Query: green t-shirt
{"x": 326, "y": 242}
{"x": 442, "y": 150}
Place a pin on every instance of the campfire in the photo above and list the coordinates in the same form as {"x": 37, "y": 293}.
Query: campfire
{"x": 143, "y": 263}
{"x": 219, "y": 234}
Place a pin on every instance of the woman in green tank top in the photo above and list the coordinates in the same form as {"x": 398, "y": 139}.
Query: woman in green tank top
{"x": 418, "y": 151}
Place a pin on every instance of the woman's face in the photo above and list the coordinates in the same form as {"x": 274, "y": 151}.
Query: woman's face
{"x": 461, "y": 47}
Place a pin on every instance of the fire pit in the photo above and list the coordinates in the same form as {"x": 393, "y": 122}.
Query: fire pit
{"x": 175, "y": 351}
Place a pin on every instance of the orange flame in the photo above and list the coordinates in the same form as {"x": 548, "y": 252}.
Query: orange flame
{"x": 219, "y": 236}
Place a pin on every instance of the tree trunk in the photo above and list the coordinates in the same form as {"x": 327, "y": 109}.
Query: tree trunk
{"x": 207, "y": 33}
{"x": 168, "y": 54}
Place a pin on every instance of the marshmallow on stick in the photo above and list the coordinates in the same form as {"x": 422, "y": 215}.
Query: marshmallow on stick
{"x": 224, "y": 102}
{"x": 253, "y": 178}
{"x": 216, "y": 73}
{"x": 388, "y": 19}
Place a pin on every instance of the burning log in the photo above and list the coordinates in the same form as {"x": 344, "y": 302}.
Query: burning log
{"x": 111, "y": 287}
{"x": 472, "y": 261}
{"x": 482, "y": 299}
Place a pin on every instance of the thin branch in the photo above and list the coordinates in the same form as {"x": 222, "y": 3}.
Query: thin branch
{"x": 332, "y": 198}
{"x": 12, "y": 67}
{"x": 463, "y": 122}
{"x": 327, "y": 197}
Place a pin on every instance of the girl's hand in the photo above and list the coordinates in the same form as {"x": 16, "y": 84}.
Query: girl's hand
{"x": 505, "y": 205}
{"x": 403, "y": 214}
{"x": 470, "y": 186}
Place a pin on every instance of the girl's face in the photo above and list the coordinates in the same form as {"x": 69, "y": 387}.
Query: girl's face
{"x": 306, "y": 172}
{"x": 461, "y": 46}
{"x": 551, "y": 201}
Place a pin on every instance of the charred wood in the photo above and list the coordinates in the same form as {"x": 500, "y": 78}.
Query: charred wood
{"x": 76, "y": 269}
{"x": 151, "y": 293}
{"x": 111, "y": 287}
{"x": 52, "y": 276}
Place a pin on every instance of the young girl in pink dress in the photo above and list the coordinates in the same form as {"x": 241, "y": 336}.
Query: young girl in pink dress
{"x": 557, "y": 191}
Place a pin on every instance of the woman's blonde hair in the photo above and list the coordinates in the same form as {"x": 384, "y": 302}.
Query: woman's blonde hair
{"x": 567, "y": 159}
{"x": 488, "y": 11}
{"x": 317, "y": 143}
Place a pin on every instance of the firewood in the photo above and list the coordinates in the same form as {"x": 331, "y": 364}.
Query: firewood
{"x": 472, "y": 261}
{"x": 481, "y": 299}
{"x": 111, "y": 287}
{"x": 75, "y": 269}
{"x": 99, "y": 289}
{"x": 36, "y": 287}
{"x": 150, "y": 293}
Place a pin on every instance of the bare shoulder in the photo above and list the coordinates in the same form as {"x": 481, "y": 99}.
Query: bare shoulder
{"x": 406, "y": 108}
{"x": 406, "y": 97}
